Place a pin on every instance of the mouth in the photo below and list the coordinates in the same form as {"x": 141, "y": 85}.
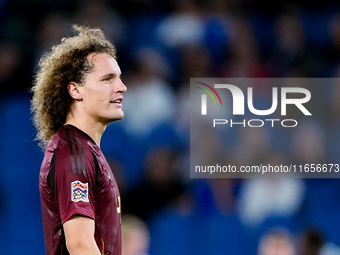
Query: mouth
{"x": 117, "y": 101}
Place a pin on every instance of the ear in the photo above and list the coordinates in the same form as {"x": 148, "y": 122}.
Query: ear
{"x": 74, "y": 89}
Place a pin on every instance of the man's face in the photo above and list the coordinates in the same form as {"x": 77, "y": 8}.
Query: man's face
{"x": 102, "y": 92}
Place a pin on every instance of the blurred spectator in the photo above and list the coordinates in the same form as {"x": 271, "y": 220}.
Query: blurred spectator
{"x": 244, "y": 59}
{"x": 150, "y": 101}
{"x": 330, "y": 249}
{"x": 311, "y": 242}
{"x": 276, "y": 242}
{"x": 162, "y": 184}
{"x": 217, "y": 31}
{"x": 253, "y": 146}
{"x": 183, "y": 26}
{"x": 292, "y": 55}
{"x": 223, "y": 192}
{"x": 50, "y": 31}
{"x": 261, "y": 198}
{"x": 195, "y": 63}
{"x": 333, "y": 55}
{"x": 308, "y": 143}
{"x": 98, "y": 13}
{"x": 13, "y": 76}
{"x": 135, "y": 236}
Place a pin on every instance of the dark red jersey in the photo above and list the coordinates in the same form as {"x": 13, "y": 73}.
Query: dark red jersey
{"x": 75, "y": 179}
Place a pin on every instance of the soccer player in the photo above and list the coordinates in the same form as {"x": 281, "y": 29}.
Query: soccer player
{"x": 77, "y": 92}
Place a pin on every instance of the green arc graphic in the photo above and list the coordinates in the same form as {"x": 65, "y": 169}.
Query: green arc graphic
{"x": 209, "y": 94}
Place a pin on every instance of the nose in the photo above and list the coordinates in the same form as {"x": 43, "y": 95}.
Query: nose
{"x": 122, "y": 88}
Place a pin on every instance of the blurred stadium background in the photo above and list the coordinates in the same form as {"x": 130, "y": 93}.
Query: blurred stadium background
{"x": 161, "y": 44}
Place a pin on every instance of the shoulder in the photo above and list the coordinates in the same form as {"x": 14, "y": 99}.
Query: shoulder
{"x": 70, "y": 142}
{"x": 74, "y": 152}
{"x": 70, "y": 136}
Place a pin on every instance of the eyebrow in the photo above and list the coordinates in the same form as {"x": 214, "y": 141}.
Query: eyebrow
{"x": 110, "y": 75}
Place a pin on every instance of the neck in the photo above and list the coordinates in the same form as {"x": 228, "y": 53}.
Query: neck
{"x": 93, "y": 128}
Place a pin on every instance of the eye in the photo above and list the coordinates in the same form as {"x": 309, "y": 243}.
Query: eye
{"x": 107, "y": 78}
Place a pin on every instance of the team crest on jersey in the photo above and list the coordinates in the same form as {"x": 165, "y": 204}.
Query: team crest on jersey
{"x": 79, "y": 191}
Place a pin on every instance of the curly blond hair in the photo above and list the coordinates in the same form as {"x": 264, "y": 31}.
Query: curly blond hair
{"x": 66, "y": 62}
